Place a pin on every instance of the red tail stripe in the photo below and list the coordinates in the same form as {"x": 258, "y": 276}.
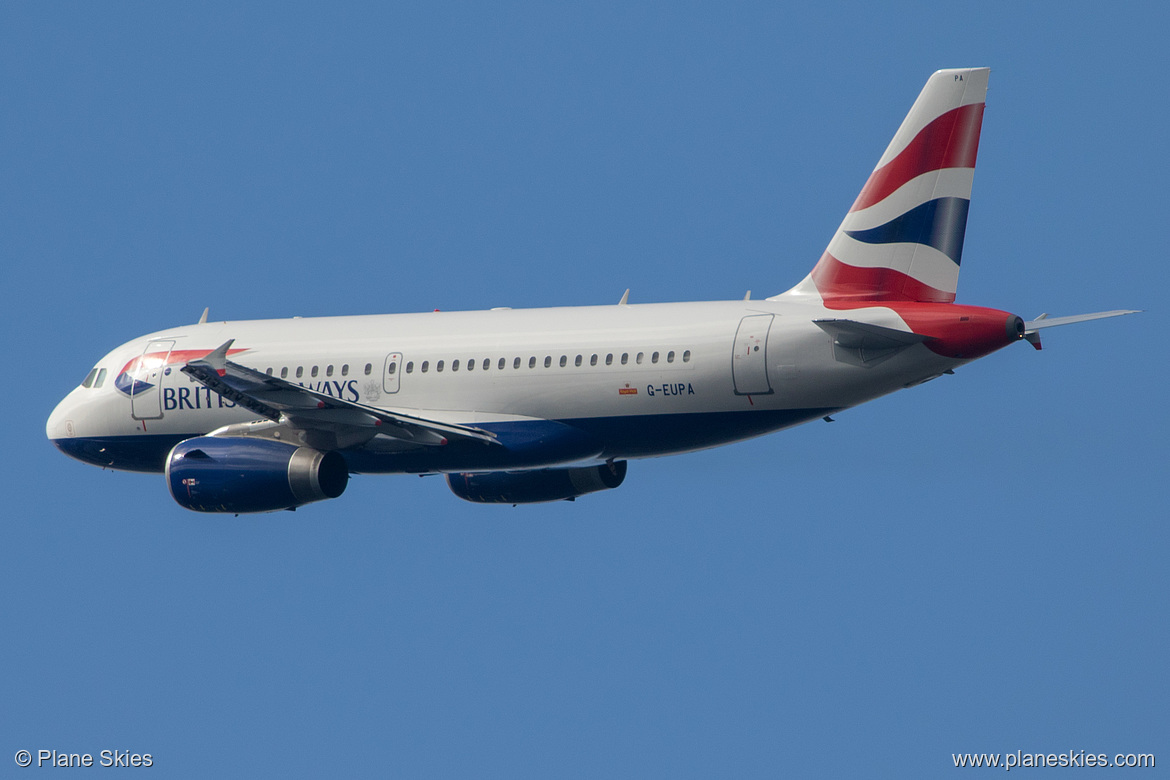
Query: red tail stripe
{"x": 955, "y": 331}
{"x": 950, "y": 141}
{"x": 841, "y": 285}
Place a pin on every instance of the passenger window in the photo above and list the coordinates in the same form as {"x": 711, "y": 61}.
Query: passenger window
{"x": 454, "y": 365}
{"x": 547, "y": 361}
{"x": 609, "y": 359}
{"x": 102, "y": 378}
{"x": 654, "y": 358}
{"x": 268, "y": 371}
{"x": 670, "y": 356}
{"x": 313, "y": 372}
{"x": 687, "y": 356}
{"x": 532, "y": 362}
{"x": 487, "y": 363}
{"x": 345, "y": 369}
{"x": 625, "y": 358}
{"x": 439, "y": 366}
{"x": 471, "y": 364}
{"x": 410, "y": 367}
{"x": 577, "y": 362}
{"x": 300, "y": 371}
{"x": 369, "y": 368}
{"x": 284, "y": 373}
{"x": 393, "y": 367}
{"x": 88, "y": 381}
{"x": 329, "y": 370}
{"x": 564, "y": 360}
{"x": 425, "y": 365}
{"x": 515, "y": 363}
{"x": 639, "y": 358}
{"x": 593, "y": 360}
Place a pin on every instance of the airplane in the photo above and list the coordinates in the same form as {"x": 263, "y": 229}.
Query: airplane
{"x": 527, "y": 406}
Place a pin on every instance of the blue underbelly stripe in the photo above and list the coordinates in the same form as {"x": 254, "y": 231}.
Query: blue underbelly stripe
{"x": 527, "y": 444}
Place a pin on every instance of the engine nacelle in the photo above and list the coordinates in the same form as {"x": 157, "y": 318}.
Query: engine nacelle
{"x": 211, "y": 474}
{"x": 530, "y": 487}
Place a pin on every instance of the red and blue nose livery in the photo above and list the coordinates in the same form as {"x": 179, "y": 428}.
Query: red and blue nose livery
{"x": 135, "y": 377}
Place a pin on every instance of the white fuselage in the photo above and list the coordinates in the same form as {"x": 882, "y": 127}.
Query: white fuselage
{"x": 639, "y": 380}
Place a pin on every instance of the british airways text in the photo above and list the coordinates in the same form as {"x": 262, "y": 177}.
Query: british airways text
{"x": 178, "y": 398}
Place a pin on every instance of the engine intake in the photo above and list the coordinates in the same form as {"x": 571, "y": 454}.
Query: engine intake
{"x": 212, "y": 474}
{"x": 531, "y": 487}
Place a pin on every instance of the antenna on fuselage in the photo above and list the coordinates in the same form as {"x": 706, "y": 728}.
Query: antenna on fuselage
{"x": 625, "y": 298}
{"x": 203, "y": 317}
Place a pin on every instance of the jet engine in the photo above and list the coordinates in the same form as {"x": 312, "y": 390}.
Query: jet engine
{"x": 530, "y": 487}
{"x": 213, "y": 474}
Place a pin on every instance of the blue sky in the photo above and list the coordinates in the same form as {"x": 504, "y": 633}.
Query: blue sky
{"x": 975, "y": 565}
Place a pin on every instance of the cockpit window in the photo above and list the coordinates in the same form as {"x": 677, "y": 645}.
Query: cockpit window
{"x": 88, "y": 381}
{"x": 101, "y": 377}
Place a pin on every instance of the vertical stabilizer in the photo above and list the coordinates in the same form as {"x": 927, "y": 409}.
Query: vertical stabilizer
{"x": 903, "y": 238}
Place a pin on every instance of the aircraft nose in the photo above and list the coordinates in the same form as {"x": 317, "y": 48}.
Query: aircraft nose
{"x": 74, "y": 427}
{"x": 60, "y": 424}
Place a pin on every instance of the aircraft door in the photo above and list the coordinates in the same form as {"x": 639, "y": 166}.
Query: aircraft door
{"x": 146, "y": 391}
{"x": 749, "y": 361}
{"x": 391, "y": 372}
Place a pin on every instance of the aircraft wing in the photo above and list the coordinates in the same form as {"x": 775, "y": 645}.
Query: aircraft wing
{"x": 301, "y": 408}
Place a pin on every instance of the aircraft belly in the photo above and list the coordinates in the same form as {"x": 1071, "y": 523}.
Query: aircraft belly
{"x": 548, "y": 442}
{"x": 142, "y": 452}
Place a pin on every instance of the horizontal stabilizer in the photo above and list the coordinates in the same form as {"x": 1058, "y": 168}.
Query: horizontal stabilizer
{"x": 1044, "y": 321}
{"x": 1031, "y": 329}
{"x": 863, "y": 344}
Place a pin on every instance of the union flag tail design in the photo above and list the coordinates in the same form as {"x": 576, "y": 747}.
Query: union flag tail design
{"x": 903, "y": 238}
